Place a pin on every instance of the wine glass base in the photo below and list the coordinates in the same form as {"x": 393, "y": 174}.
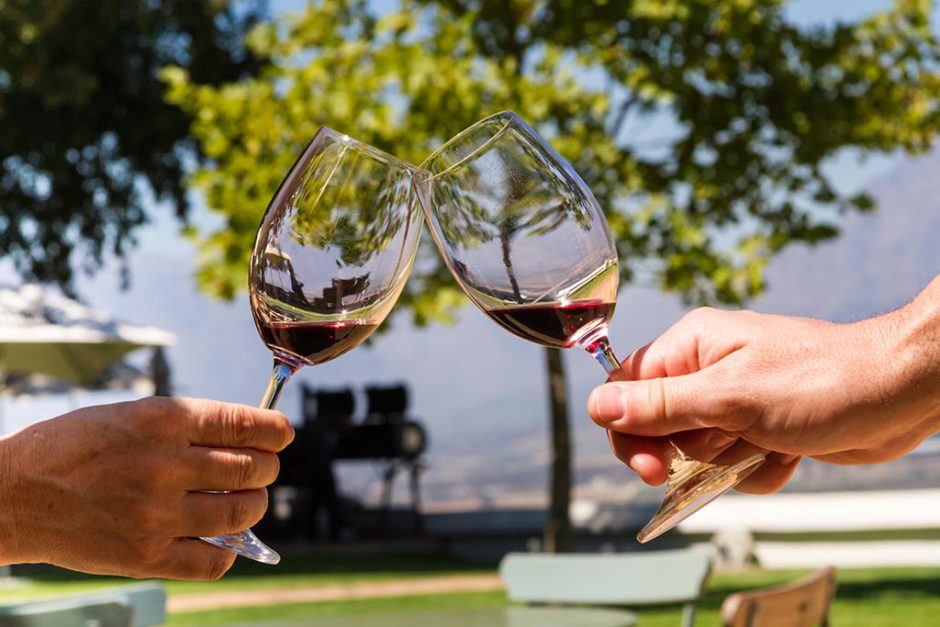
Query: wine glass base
{"x": 246, "y": 544}
{"x": 695, "y": 492}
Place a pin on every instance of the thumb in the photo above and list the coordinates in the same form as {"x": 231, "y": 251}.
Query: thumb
{"x": 655, "y": 407}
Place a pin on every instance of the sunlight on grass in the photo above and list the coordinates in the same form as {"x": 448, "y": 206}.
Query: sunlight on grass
{"x": 295, "y": 571}
{"x": 866, "y": 597}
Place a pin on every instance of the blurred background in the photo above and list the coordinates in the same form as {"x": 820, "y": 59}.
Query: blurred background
{"x": 762, "y": 153}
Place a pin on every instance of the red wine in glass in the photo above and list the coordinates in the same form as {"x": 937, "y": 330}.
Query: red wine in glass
{"x": 556, "y": 325}
{"x": 314, "y": 342}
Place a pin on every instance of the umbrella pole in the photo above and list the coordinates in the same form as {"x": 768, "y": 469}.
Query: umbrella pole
{"x": 160, "y": 373}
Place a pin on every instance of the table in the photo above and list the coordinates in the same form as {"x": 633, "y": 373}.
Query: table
{"x": 486, "y": 617}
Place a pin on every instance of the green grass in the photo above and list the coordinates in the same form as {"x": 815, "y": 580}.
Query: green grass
{"x": 469, "y": 600}
{"x": 865, "y": 598}
{"x": 294, "y": 571}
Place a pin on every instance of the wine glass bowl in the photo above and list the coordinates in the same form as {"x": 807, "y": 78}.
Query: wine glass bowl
{"x": 333, "y": 252}
{"x": 527, "y": 241}
{"x": 330, "y": 259}
{"x": 521, "y": 232}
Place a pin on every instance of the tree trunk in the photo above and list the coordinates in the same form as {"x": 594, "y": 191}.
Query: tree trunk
{"x": 558, "y": 527}
{"x": 506, "y": 230}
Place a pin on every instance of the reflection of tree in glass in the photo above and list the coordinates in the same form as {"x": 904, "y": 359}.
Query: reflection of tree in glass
{"x": 343, "y": 206}
{"x": 511, "y": 187}
{"x": 349, "y": 213}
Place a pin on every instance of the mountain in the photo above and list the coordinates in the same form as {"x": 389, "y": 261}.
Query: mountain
{"x": 878, "y": 263}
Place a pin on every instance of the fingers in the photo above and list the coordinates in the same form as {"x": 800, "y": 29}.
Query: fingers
{"x": 690, "y": 345}
{"x": 192, "y": 560}
{"x": 228, "y": 469}
{"x": 203, "y": 514}
{"x": 771, "y": 476}
{"x": 656, "y": 407}
{"x": 645, "y": 456}
{"x": 649, "y": 459}
{"x": 238, "y": 426}
{"x": 704, "y": 444}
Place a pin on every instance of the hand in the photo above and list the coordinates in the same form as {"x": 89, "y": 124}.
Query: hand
{"x": 119, "y": 489}
{"x": 726, "y": 384}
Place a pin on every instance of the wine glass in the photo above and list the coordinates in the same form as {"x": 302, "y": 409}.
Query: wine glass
{"x": 330, "y": 259}
{"x": 528, "y": 243}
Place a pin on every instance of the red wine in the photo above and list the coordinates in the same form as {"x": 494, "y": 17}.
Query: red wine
{"x": 553, "y": 324}
{"x": 314, "y": 342}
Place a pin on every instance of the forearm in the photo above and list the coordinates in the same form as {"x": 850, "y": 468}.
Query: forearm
{"x": 916, "y": 357}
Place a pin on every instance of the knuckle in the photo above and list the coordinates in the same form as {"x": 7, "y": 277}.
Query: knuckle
{"x": 766, "y": 481}
{"x": 244, "y": 512}
{"x": 240, "y": 424}
{"x": 144, "y": 516}
{"x": 243, "y": 470}
{"x": 651, "y": 406}
{"x": 765, "y": 486}
{"x": 287, "y": 433}
{"x": 275, "y": 469}
{"x": 160, "y": 407}
{"x": 700, "y": 315}
{"x": 152, "y": 476}
{"x": 155, "y": 414}
{"x": 218, "y": 566}
{"x": 266, "y": 467}
{"x": 735, "y": 397}
{"x": 149, "y": 557}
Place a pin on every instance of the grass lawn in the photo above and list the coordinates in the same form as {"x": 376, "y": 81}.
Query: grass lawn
{"x": 294, "y": 571}
{"x": 865, "y": 598}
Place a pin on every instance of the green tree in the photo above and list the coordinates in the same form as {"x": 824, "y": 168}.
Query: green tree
{"x": 756, "y": 108}
{"x": 87, "y": 134}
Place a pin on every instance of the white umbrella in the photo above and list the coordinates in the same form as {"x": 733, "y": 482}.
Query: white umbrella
{"x": 42, "y": 332}
{"x": 121, "y": 376}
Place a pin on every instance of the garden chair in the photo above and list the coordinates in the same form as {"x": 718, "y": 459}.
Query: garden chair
{"x": 138, "y": 605}
{"x": 803, "y": 603}
{"x": 631, "y": 579}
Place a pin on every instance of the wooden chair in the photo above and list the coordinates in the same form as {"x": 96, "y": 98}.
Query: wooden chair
{"x": 138, "y": 605}
{"x": 803, "y": 603}
{"x": 631, "y": 579}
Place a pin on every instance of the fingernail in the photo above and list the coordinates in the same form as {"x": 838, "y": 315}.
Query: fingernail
{"x": 786, "y": 460}
{"x": 609, "y": 403}
{"x": 719, "y": 439}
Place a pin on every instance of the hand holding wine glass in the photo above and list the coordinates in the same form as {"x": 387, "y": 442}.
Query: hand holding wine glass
{"x": 331, "y": 257}
{"x": 528, "y": 243}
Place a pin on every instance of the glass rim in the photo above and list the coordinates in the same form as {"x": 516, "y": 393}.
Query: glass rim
{"x": 363, "y": 147}
{"x": 511, "y": 118}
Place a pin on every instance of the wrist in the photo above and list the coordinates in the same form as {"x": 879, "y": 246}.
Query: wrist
{"x": 8, "y": 481}
{"x": 915, "y": 354}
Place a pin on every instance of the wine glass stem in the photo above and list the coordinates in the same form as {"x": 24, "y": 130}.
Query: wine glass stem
{"x": 282, "y": 372}
{"x": 604, "y": 354}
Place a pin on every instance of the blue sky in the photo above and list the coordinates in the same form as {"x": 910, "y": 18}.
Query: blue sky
{"x": 470, "y": 382}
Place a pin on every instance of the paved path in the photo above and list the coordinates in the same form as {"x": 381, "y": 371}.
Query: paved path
{"x": 335, "y": 592}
